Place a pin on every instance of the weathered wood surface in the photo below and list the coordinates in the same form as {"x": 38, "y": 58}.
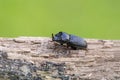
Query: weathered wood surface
{"x": 100, "y": 62}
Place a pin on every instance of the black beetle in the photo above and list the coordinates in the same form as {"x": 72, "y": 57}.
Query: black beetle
{"x": 72, "y": 41}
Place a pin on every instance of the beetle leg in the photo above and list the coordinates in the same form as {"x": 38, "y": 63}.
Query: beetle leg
{"x": 74, "y": 48}
{"x": 61, "y": 43}
{"x": 68, "y": 46}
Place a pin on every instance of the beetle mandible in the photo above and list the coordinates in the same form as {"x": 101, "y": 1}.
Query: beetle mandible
{"x": 72, "y": 41}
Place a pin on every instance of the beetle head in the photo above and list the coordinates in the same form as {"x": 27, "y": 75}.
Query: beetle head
{"x": 61, "y": 37}
{"x": 56, "y": 37}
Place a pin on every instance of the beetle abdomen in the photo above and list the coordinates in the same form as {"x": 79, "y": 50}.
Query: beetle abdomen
{"x": 77, "y": 42}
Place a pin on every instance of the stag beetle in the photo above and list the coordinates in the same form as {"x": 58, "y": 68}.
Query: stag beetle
{"x": 72, "y": 41}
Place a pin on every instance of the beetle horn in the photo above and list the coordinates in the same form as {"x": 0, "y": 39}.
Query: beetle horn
{"x": 52, "y": 36}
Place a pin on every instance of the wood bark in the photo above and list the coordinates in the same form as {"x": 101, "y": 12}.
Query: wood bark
{"x": 100, "y": 62}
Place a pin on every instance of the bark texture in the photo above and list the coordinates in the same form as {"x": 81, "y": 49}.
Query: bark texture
{"x": 56, "y": 62}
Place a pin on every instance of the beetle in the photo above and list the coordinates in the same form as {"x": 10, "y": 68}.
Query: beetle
{"x": 70, "y": 40}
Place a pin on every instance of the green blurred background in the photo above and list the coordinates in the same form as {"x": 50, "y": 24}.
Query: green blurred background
{"x": 85, "y": 18}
